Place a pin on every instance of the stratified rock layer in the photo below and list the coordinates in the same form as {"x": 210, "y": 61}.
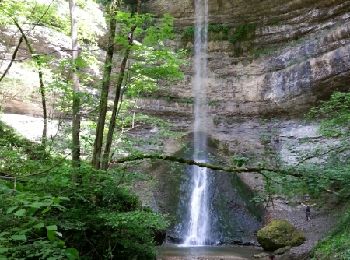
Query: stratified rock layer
{"x": 294, "y": 53}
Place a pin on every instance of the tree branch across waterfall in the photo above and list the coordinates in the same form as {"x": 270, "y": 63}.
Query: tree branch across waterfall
{"x": 171, "y": 158}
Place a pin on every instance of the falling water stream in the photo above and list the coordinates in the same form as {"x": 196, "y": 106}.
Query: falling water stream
{"x": 199, "y": 222}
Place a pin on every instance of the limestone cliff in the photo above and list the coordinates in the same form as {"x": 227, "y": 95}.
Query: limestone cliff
{"x": 270, "y": 56}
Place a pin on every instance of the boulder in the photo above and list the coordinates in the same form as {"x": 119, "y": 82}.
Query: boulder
{"x": 279, "y": 234}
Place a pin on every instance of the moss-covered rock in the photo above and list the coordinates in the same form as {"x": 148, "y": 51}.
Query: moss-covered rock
{"x": 278, "y": 234}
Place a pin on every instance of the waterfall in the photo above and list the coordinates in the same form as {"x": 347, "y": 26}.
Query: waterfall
{"x": 198, "y": 227}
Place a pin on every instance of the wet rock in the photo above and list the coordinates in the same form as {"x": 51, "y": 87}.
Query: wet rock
{"x": 282, "y": 250}
{"x": 262, "y": 255}
{"x": 279, "y": 234}
{"x": 174, "y": 240}
{"x": 160, "y": 237}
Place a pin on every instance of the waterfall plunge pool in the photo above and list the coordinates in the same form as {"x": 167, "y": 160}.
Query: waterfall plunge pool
{"x": 172, "y": 252}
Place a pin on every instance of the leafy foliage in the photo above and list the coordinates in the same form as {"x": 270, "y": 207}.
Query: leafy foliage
{"x": 35, "y": 12}
{"x": 153, "y": 60}
{"x": 47, "y": 215}
{"x": 242, "y": 32}
{"x": 215, "y": 32}
{"x": 223, "y": 32}
{"x": 337, "y": 244}
{"x": 335, "y": 114}
{"x": 335, "y": 122}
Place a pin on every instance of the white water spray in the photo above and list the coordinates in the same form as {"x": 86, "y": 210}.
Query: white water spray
{"x": 197, "y": 233}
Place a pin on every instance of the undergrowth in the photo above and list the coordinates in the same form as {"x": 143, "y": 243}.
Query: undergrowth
{"x": 49, "y": 210}
{"x": 337, "y": 244}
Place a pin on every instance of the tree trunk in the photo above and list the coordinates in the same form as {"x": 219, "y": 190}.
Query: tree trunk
{"x": 12, "y": 58}
{"x": 112, "y": 122}
{"x": 43, "y": 102}
{"x": 96, "y": 157}
{"x": 41, "y": 81}
{"x": 107, "y": 151}
{"x": 76, "y": 86}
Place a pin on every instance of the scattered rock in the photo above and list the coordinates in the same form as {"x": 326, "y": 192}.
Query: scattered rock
{"x": 279, "y": 234}
{"x": 282, "y": 250}
{"x": 262, "y": 255}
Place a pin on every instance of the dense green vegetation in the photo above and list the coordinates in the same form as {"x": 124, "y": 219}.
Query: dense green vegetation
{"x": 45, "y": 214}
{"x": 34, "y": 12}
{"x": 335, "y": 123}
{"x": 55, "y": 208}
{"x": 52, "y": 207}
{"x": 337, "y": 244}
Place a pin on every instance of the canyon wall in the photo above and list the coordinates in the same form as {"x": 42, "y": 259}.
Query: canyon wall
{"x": 265, "y": 57}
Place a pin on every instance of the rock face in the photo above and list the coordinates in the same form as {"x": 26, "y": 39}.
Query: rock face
{"x": 269, "y": 61}
{"x": 279, "y": 234}
{"x": 276, "y": 55}
{"x": 234, "y": 218}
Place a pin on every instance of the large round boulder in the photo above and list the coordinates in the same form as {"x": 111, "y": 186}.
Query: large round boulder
{"x": 278, "y": 234}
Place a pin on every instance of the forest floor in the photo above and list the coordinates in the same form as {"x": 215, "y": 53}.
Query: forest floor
{"x": 323, "y": 219}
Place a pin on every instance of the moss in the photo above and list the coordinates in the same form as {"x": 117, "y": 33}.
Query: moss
{"x": 278, "y": 234}
{"x": 216, "y": 32}
{"x": 223, "y": 32}
{"x": 264, "y": 51}
{"x": 243, "y": 32}
{"x": 188, "y": 34}
{"x": 181, "y": 100}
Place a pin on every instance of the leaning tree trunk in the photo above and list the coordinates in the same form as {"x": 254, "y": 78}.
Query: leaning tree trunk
{"x": 43, "y": 103}
{"x": 76, "y": 86}
{"x": 13, "y": 57}
{"x": 112, "y": 122}
{"x": 107, "y": 151}
{"x": 96, "y": 157}
{"x": 38, "y": 62}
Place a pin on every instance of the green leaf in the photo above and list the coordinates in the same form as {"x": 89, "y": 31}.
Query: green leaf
{"x": 4, "y": 233}
{"x": 39, "y": 225}
{"x": 72, "y": 253}
{"x": 3, "y": 250}
{"x": 52, "y": 232}
{"x": 51, "y": 235}
{"x": 11, "y": 209}
{"x": 37, "y": 205}
{"x": 20, "y": 213}
{"x": 19, "y": 237}
{"x": 52, "y": 227}
{"x": 46, "y": 210}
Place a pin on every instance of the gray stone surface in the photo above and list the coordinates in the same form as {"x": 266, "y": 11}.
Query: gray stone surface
{"x": 299, "y": 53}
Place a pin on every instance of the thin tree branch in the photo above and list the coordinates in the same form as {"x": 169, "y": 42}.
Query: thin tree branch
{"x": 338, "y": 149}
{"x": 13, "y": 57}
